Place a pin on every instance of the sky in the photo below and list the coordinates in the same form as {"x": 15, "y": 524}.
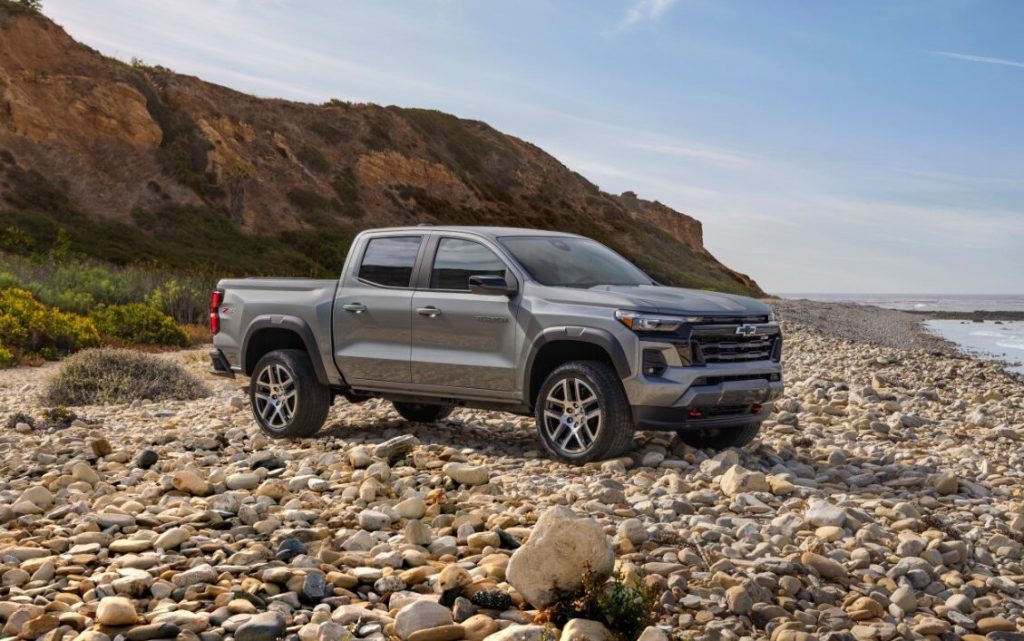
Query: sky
{"x": 870, "y": 146}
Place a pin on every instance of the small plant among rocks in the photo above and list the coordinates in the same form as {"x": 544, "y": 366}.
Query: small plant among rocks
{"x": 58, "y": 418}
{"x": 19, "y": 418}
{"x": 626, "y": 608}
{"x": 53, "y": 418}
{"x": 109, "y": 376}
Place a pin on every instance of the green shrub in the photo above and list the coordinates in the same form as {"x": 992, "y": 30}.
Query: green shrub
{"x": 80, "y": 285}
{"x": 346, "y": 186}
{"x": 138, "y": 324}
{"x": 314, "y": 159}
{"x": 108, "y": 376}
{"x": 184, "y": 300}
{"x": 30, "y": 329}
{"x": 6, "y": 357}
{"x": 625, "y": 608}
{"x": 16, "y": 7}
{"x": 308, "y": 200}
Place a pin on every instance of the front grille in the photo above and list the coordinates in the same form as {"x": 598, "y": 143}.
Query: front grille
{"x": 724, "y": 348}
{"x": 732, "y": 320}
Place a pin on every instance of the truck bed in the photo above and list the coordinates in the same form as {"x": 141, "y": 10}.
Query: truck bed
{"x": 301, "y": 304}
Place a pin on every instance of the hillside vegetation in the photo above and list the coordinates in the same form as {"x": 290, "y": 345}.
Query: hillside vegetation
{"x": 136, "y": 165}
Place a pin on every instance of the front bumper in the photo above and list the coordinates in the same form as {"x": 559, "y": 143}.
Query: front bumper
{"x": 679, "y": 419}
{"x": 702, "y": 397}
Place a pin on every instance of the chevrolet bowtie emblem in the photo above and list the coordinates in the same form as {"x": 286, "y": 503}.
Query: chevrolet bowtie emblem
{"x": 746, "y": 330}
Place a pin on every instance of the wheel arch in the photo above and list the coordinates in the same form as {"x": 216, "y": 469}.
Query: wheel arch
{"x": 558, "y": 345}
{"x": 268, "y": 333}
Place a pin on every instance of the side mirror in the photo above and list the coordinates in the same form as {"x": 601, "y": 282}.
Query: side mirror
{"x": 490, "y": 286}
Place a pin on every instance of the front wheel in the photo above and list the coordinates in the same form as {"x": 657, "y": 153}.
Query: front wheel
{"x": 287, "y": 399}
{"x": 722, "y": 437}
{"x": 583, "y": 414}
{"x": 422, "y": 412}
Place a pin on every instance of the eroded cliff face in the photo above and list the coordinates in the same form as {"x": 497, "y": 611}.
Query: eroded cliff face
{"x": 127, "y": 144}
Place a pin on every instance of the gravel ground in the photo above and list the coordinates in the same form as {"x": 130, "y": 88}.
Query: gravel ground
{"x": 884, "y": 499}
{"x": 861, "y": 324}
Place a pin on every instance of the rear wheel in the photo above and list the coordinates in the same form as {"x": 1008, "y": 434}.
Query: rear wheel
{"x": 287, "y": 399}
{"x": 422, "y": 412}
{"x": 583, "y": 414}
{"x": 721, "y": 438}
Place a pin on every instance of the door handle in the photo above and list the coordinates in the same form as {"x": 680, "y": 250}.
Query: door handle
{"x": 355, "y": 308}
{"x": 429, "y": 312}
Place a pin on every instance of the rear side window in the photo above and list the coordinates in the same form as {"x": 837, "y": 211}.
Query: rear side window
{"x": 457, "y": 260}
{"x": 389, "y": 260}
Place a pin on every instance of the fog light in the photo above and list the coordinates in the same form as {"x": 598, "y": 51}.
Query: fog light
{"x": 654, "y": 363}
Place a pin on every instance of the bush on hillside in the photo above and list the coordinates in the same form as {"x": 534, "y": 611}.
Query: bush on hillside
{"x": 30, "y": 329}
{"x": 187, "y": 301}
{"x": 138, "y": 324}
{"x": 109, "y": 376}
{"x": 21, "y": 6}
{"x": 80, "y": 284}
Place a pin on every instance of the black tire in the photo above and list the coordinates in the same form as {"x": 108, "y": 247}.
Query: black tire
{"x": 312, "y": 399}
{"x": 722, "y": 438}
{"x": 610, "y": 435}
{"x": 422, "y": 412}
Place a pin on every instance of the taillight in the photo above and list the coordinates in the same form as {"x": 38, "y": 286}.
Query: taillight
{"x": 215, "y": 300}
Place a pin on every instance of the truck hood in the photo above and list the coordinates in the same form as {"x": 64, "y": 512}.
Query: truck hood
{"x": 663, "y": 300}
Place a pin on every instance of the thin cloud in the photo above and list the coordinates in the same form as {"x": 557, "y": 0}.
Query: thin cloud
{"x": 641, "y": 10}
{"x": 973, "y": 58}
{"x": 717, "y": 156}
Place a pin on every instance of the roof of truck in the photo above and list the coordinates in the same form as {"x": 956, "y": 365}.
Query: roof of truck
{"x": 490, "y": 232}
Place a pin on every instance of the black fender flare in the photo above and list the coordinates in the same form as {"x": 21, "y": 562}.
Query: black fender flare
{"x": 600, "y": 337}
{"x": 290, "y": 323}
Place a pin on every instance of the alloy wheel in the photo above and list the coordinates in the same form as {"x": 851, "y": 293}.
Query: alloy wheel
{"x": 572, "y": 416}
{"x": 276, "y": 396}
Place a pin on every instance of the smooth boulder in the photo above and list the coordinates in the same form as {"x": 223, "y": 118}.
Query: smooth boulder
{"x": 560, "y": 549}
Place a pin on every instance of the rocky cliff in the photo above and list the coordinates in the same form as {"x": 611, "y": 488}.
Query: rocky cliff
{"x": 140, "y": 163}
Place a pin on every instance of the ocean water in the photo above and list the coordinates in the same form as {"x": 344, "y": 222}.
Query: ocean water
{"x": 927, "y": 302}
{"x": 994, "y": 341}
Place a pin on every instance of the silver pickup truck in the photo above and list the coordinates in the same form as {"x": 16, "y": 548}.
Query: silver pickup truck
{"x": 538, "y": 323}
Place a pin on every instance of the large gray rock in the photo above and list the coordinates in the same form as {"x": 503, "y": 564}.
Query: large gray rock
{"x": 266, "y": 626}
{"x": 561, "y": 548}
{"x": 420, "y": 615}
{"x": 738, "y": 480}
{"x": 823, "y": 513}
{"x": 467, "y": 474}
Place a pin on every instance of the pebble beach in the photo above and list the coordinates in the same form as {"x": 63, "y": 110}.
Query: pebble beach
{"x": 884, "y": 499}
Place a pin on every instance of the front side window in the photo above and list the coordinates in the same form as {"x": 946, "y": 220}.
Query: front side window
{"x": 389, "y": 260}
{"x": 567, "y": 261}
{"x": 458, "y": 259}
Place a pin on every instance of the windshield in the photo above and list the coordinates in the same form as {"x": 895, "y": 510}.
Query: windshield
{"x": 562, "y": 261}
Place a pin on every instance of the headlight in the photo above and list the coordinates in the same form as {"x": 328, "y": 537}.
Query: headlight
{"x": 642, "y": 322}
{"x": 771, "y": 315}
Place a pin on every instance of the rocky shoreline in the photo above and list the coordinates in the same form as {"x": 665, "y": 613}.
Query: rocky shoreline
{"x": 884, "y": 500}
